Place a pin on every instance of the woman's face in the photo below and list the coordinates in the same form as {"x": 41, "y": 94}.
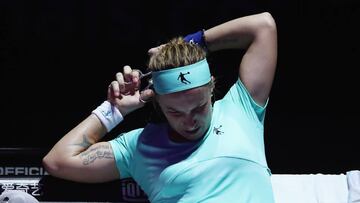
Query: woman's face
{"x": 188, "y": 112}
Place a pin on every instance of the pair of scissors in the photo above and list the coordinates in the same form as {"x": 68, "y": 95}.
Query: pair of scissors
{"x": 142, "y": 77}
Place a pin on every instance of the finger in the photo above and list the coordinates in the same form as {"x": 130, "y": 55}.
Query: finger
{"x": 127, "y": 73}
{"x": 111, "y": 97}
{"x": 136, "y": 77}
{"x": 146, "y": 95}
{"x": 133, "y": 85}
{"x": 110, "y": 94}
{"x": 120, "y": 79}
{"x": 115, "y": 88}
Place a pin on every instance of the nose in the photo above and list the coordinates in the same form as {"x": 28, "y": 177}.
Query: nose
{"x": 189, "y": 121}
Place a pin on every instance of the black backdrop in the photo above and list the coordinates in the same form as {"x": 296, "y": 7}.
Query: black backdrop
{"x": 58, "y": 57}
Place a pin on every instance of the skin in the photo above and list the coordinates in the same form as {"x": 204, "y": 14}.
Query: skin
{"x": 187, "y": 112}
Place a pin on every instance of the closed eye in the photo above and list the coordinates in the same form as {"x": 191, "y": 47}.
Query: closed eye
{"x": 174, "y": 113}
{"x": 200, "y": 108}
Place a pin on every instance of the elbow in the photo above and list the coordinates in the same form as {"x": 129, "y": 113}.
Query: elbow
{"x": 267, "y": 22}
{"x": 265, "y": 28}
{"x": 50, "y": 165}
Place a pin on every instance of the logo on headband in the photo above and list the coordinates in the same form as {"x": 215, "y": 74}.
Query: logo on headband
{"x": 183, "y": 79}
{"x": 187, "y": 77}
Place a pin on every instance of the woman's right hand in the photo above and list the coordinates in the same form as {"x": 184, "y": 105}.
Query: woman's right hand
{"x": 124, "y": 92}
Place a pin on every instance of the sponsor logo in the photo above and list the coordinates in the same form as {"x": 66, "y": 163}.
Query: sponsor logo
{"x": 217, "y": 130}
{"x": 32, "y": 187}
{"x": 22, "y": 171}
{"x": 183, "y": 79}
{"x": 131, "y": 191}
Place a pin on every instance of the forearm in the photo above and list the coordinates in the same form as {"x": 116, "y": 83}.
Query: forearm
{"x": 238, "y": 33}
{"x": 79, "y": 155}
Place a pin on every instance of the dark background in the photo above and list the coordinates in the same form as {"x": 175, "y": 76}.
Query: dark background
{"x": 58, "y": 57}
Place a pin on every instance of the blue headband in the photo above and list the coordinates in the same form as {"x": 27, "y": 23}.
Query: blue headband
{"x": 181, "y": 78}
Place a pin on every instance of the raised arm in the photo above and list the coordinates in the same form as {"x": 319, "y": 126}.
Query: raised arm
{"x": 78, "y": 156}
{"x": 257, "y": 34}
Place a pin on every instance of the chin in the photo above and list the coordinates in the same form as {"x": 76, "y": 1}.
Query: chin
{"x": 194, "y": 137}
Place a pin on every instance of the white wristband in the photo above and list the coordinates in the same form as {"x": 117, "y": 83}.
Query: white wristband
{"x": 109, "y": 115}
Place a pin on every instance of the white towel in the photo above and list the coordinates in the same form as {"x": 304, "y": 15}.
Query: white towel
{"x": 311, "y": 188}
{"x": 353, "y": 179}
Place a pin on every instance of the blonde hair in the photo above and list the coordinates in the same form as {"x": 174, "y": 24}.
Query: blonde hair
{"x": 174, "y": 54}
